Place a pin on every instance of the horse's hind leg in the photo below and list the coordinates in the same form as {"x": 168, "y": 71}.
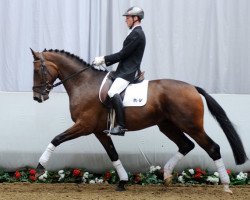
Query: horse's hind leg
{"x": 111, "y": 151}
{"x": 213, "y": 151}
{"x": 184, "y": 144}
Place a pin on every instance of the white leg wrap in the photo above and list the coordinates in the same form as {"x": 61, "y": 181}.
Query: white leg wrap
{"x": 222, "y": 171}
{"x": 169, "y": 167}
{"x": 46, "y": 155}
{"x": 120, "y": 170}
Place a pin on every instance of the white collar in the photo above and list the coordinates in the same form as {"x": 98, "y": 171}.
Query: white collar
{"x": 130, "y": 30}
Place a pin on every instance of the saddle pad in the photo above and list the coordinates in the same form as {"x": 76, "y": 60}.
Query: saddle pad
{"x": 136, "y": 94}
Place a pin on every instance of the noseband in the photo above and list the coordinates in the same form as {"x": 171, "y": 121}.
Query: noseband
{"x": 45, "y": 87}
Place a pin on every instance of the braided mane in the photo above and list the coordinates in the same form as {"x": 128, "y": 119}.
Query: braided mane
{"x": 66, "y": 53}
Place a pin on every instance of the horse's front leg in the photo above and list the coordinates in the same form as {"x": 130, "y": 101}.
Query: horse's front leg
{"x": 108, "y": 145}
{"x": 75, "y": 131}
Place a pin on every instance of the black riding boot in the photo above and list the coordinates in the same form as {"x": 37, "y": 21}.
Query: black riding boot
{"x": 120, "y": 118}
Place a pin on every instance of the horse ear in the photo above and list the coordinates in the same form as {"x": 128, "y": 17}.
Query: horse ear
{"x": 34, "y": 54}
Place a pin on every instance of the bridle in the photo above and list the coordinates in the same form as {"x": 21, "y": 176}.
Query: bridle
{"x": 45, "y": 87}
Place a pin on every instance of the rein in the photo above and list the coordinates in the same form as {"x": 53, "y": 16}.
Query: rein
{"x": 69, "y": 77}
{"x": 46, "y": 87}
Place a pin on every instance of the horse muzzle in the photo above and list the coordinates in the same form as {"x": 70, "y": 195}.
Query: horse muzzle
{"x": 39, "y": 97}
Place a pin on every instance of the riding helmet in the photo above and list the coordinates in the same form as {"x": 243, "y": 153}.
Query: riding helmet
{"x": 134, "y": 11}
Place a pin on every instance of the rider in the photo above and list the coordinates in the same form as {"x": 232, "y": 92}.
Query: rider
{"x": 129, "y": 58}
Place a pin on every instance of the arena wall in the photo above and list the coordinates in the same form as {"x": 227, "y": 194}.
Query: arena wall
{"x": 27, "y": 127}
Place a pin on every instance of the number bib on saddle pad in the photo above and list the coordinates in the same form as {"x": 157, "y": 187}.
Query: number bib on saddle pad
{"x": 135, "y": 94}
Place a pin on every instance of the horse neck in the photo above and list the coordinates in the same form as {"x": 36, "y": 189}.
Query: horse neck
{"x": 78, "y": 84}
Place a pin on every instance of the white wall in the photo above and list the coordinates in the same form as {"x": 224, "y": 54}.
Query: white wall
{"x": 27, "y": 127}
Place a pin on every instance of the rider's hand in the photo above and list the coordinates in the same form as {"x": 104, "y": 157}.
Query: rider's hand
{"x": 99, "y": 61}
{"x": 100, "y": 68}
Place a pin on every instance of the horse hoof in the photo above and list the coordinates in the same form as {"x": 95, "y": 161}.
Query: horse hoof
{"x": 120, "y": 189}
{"x": 226, "y": 189}
{"x": 168, "y": 181}
{"x": 121, "y": 186}
{"x": 40, "y": 170}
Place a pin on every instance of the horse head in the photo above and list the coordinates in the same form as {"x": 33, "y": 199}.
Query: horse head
{"x": 45, "y": 73}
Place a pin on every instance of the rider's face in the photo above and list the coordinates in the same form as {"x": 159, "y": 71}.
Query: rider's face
{"x": 129, "y": 21}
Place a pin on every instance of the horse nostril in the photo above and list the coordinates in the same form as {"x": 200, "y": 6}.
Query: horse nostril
{"x": 37, "y": 99}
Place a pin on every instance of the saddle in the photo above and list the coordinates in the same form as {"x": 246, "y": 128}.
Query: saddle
{"x": 103, "y": 93}
{"x": 134, "y": 95}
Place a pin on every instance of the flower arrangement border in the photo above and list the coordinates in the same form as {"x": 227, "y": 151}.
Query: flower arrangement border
{"x": 153, "y": 176}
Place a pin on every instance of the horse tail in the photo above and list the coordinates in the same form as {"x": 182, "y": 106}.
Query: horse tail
{"x": 221, "y": 117}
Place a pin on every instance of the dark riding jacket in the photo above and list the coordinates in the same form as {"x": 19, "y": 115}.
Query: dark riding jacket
{"x": 130, "y": 56}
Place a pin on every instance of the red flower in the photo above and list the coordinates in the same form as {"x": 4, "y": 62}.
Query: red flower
{"x": 197, "y": 176}
{"x": 137, "y": 178}
{"x": 32, "y": 172}
{"x": 32, "y": 177}
{"x": 76, "y": 172}
{"x": 107, "y": 176}
{"x": 17, "y": 175}
{"x": 200, "y": 171}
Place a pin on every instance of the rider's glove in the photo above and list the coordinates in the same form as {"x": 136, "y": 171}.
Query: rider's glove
{"x": 99, "y": 61}
{"x": 100, "y": 68}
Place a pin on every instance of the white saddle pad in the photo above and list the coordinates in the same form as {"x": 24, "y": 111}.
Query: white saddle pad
{"x": 136, "y": 94}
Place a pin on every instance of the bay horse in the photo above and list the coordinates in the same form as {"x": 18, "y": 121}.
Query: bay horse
{"x": 174, "y": 106}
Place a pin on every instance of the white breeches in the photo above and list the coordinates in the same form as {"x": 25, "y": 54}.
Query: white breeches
{"x": 118, "y": 86}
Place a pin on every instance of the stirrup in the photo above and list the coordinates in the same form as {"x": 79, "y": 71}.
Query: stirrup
{"x": 118, "y": 130}
{"x": 121, "y": 133}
